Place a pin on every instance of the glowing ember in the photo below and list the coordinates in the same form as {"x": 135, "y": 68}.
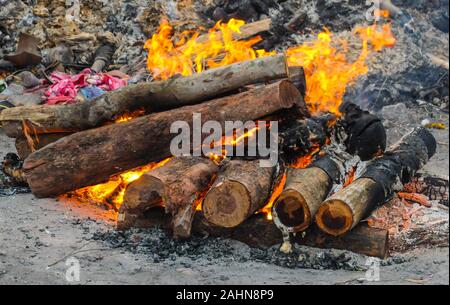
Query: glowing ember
{"x": 304, "y": 161}
{"x": 112, "y": 192}
{"x": 129, "y": 116}
{"x": 186, "y": 54}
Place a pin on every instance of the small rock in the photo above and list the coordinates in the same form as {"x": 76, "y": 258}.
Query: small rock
{"x": 397, "y": 113}
{"x": 29, "y": 80}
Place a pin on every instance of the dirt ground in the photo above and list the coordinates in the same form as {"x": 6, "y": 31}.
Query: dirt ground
{"x": 38, "y": 235}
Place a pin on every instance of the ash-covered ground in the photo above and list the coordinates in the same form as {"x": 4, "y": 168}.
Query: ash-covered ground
{"x": 38, "y": 236}
{"x": 404, "y": 86}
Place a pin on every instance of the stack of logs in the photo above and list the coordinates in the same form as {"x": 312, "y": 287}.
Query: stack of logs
{"x": 81, "y": 145}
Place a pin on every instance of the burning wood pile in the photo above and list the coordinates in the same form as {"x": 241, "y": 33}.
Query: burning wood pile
{"x": 332, "y": 168}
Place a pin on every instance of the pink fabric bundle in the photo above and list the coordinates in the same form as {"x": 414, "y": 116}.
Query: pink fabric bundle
{"x": 65, "y": 86}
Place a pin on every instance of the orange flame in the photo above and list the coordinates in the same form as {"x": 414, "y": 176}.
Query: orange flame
{"x": 306, "y": 160}
{"x": 129, "y": 116}
{"x": 275, "y": 194}
{"x": 113, "y": 191}
{"x": 328, "y": 72}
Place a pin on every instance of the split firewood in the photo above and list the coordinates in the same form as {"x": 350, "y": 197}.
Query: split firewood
{"x": 153, "y": 97}
{"x": 258, "y": 231}
{"x": 377, "y": 184}
{"x": 176, "y": 185}
{"x": 92, "y": 156}
{"x": 241, "y": 189}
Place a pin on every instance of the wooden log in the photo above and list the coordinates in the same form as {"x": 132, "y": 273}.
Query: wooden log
{"x": 153, "y": 97}
{"x": 377, "y": 184}
{"x": 23, "y": 146}
{"x": 176, "y": 185}
{"x": 241, "y": 189}
{"x": 305, "y": 190}
{"x": 92, "y": 156}
{"x": 259, "y": 232}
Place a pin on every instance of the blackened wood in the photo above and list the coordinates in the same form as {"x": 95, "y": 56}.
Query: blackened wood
{"x": 377, "y": 184}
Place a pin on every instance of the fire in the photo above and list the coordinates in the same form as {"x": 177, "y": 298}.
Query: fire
{"x": 327, "y": 69}
{"x": 304, "y": 161}
{"x": 233, "y": 140}
{"x": 113, "y": 191}
{"x": 29, "y": 132}
{"x": 129, "y": 116}
{"x": 188, "y": 52}
{"x": 275, "y": 194}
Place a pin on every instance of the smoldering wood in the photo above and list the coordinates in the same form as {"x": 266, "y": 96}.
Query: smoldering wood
{"x": 92, "y": 156}
{"x": 259, "y": 232}
{"x": 241, "y": 189}
{"x": 377, "y": 184}
{"x": 153, "y": 97}
{"x": 298, "y": 136}
{"x": 176, "y": 185}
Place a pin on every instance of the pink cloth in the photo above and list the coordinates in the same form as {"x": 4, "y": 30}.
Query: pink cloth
{"x": 65, "y": 86}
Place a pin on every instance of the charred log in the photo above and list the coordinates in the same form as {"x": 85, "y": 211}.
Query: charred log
{"x": 377, "y": 184}
{"x": 92, "y": 156}
{"x": 298, "y": 137}
{"x": 365, "y": 134}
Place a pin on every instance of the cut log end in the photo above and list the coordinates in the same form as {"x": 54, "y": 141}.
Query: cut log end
{"x": 291, "y": 210}
{"x": 335, "y": 217}
{"x": 227, "y": 205}
{"x": 305, "y": 190}
{"x": 289, "y": 94}
{"x": 139, "y": 197}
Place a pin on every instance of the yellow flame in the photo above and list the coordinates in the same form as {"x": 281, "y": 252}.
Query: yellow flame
{"x": 113, "y": 191}
{"x": 187, "y": 53}
{"x": 327, "y": 68}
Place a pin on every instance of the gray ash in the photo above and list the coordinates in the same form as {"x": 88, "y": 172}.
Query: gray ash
{"x": 424, "y": 83}
{"x": 159, "y": 247}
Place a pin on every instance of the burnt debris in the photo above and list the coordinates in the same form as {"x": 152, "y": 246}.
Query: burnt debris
{"x": 12, "y": 180}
